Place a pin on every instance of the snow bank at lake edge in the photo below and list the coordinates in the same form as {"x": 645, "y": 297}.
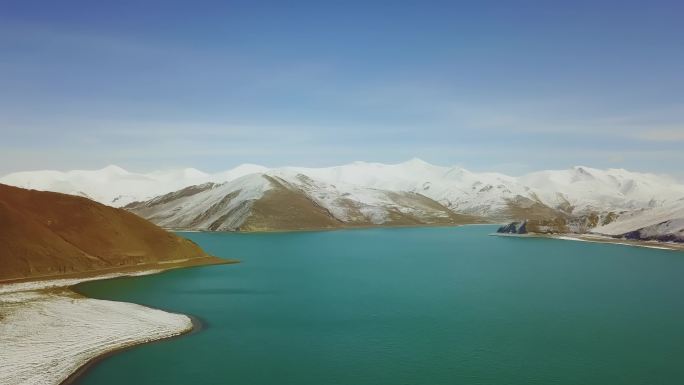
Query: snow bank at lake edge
{"x": 49, "y": 334}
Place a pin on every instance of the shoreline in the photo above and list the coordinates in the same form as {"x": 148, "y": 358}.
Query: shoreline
{"x": 114, "y": 271}
{"x": 197, "y": 326}
{"x": 342, "y": 228}
{"x": 52, "y": 334}
{"x": 595, "y": 238}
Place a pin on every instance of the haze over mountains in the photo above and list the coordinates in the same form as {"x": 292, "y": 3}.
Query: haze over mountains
{"x": 117, "y": 187}
{"x": 251, "y": 197}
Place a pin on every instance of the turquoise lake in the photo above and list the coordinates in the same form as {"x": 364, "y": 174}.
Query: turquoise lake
{"x": 411, "y": 306}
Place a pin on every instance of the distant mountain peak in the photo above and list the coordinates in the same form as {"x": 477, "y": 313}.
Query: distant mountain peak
{"x": 194, "y": 173}
{"x": 114, "y": 169}
{"x": 582, "y": 174}
{"x": 416, "y": 162}
{"x": 250, "y": 166}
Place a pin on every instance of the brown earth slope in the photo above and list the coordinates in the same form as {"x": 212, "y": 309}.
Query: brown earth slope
{"x": 283, "y": 208}
{"x": 46, "y": 234}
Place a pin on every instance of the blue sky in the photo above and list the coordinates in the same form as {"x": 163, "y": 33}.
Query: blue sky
{"x": 506, "y": 86}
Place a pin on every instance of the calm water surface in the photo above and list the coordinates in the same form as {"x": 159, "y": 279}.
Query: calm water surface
{"x": 422, "y": 306}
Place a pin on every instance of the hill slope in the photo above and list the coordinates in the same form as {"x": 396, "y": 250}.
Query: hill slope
{"x": 46, "y": 233}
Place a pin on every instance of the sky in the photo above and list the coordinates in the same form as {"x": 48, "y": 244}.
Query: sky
{"x": 508, "y": 86}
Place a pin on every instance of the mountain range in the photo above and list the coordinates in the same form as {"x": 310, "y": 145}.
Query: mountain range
{"x": 249, "y": 197}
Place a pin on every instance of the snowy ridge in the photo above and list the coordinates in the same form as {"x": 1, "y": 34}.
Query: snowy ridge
{"x": 590, "y": 189}
{"x": 353, "y": 203}
{"x": 575, "y": 191}
{"x": 228, "y": 206}
{"x": 456, "y": 188}
{"x": 664, "y": 223}
{"x": 201, "y": 210}
{"x": 578, "y": 190}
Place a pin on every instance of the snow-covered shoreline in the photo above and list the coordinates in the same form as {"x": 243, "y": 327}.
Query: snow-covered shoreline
{"x": 600, "y": 239}
{"x": 619, "y": 241}
{"x": 48, "y": 332}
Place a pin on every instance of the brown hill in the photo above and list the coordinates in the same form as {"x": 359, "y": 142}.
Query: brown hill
{"x": 46, "y": 234}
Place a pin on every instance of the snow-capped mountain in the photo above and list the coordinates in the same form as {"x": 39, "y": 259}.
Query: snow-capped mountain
{"x": 364, "y": 193}
{"x": 286, "y": 200}
{"x": 481, "y": 194}
{"x": 588, "y": 189}
{"x": 578, "y": 190}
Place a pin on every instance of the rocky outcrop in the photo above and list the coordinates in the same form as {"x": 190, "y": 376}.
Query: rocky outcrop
{"x": 48, "y": 234}
{"x": 513, "y": 228}
{"x": 646, "y": 234}
{"x": 537, "y": 218}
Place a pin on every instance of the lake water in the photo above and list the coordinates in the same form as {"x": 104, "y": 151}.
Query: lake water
{"x": 419, "y": 306}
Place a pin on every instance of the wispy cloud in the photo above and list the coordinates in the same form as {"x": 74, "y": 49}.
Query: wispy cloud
{"x": 80, "y": 93}
{"x": 662, "y": 135}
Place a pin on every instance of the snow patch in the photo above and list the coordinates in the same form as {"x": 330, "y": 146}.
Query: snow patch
{"x": 47, "y": 336}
